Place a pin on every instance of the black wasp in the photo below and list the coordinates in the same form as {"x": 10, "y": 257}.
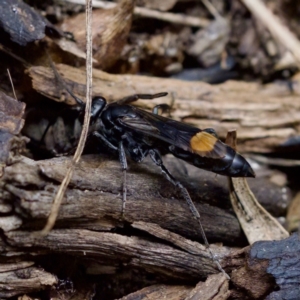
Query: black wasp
{"x": 138, "y": 133}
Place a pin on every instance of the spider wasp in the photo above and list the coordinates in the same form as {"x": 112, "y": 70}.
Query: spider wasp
{"x": 137, "y": 133}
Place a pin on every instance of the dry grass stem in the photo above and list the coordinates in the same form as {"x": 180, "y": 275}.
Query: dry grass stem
{"x": 89, "y": 78}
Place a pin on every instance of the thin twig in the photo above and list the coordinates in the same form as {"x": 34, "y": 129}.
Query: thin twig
{"x": 155, "y": 14}
{"x": 61, "y": 191}
{"x": 12, "y": 84}
{"x": 275, "y": 26}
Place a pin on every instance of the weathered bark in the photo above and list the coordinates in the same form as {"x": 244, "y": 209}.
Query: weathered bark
{"x": 215, "y": 287}
{"x": 11, "y": 123}
{"x": 94, "y": 194}
{"x": 112, "y": 250}
{"x": 23, "y": 277}
{"x": 267, "y": 262}
{"x": 159, "y": 220}
{"x": 261, "y": 125}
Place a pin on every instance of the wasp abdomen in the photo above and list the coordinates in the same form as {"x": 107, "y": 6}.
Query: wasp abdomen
{"x": 240, "y": 167}
{"x": 231, "y": 164}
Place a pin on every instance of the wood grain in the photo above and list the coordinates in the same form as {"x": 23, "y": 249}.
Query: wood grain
{"x": 261, "y": 125}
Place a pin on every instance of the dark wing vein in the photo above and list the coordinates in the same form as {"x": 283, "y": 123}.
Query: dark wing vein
{"x": 174, "y": 133}
{"x": 171, "y": 131}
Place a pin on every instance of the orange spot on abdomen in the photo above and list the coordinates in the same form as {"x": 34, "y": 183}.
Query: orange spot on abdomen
{"x": 203, "y": 142}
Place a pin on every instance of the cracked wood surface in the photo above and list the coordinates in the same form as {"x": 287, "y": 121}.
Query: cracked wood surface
{"x": 153, "y": 234}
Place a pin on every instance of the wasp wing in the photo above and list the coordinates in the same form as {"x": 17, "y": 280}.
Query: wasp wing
{"x": 176, "y": 133}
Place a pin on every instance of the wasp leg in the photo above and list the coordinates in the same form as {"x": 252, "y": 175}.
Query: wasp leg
{"x": 104, "y": 139}
{"x": 135, "y": 97}
{"x": 164, "y": 108}
{"x": 155, "y": 156}
{"x": 123, "y": 161}
{"x": 46, "y": 131}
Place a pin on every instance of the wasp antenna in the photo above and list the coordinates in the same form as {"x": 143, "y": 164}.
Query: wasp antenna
{"x": 151, "y": 96}
{"x": 63, "y": 85}
{"x": 135, "y": 97}
{"x": 159, "y": 95}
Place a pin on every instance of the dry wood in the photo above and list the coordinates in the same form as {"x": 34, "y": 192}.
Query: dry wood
{"x": 113, "y": 250}
{"x": 270, "y": 261}
{"x": 179, "y": 241}
{"x": 261, "y": 125}
{"x": 160, "y": 291}
{"x": 11, "y": 123}
{"x": 22, "y": 277}
{"x": 96, "y": 185}
{"x": 253, "y": 275}
{"x": 11, "y": 113}
{"x": 215, "y": 287}
{"x": 251, "y": 281}
{"x": 94, "y": 192}
{"x": 93, "y": 202}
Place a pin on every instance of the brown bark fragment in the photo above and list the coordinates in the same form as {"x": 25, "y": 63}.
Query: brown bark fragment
{"x": 22, "y": 277}
{"x": 93, "y": 202}
{"x": 111, "y": 249}
{"x": 253, "y": 279}
{"x": 11, "y": 123}
{"x": 160, "y": 291}
{"x": 214, "y": 288}
{"x": 11, "y": 113}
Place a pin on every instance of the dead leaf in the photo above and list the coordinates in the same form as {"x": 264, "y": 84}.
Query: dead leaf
{"x": 256, "y": 222}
